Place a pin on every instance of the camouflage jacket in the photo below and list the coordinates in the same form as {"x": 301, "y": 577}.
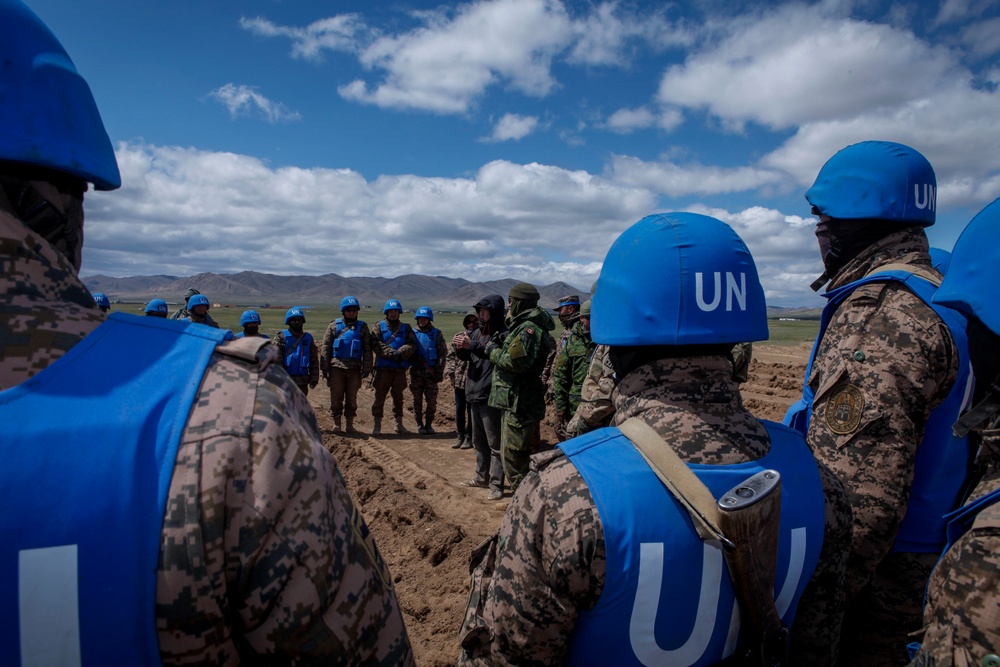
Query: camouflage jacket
{"x": 517, "y": 366}
{"x": 328, "y": 361}
{"x": 885, "y": 345}
{"x": 279, "y": 344}
{"x": 962, "y": 612}
{"x": 551, "y": 361}
{"x": 456, "y": 368}
{"x": 264, "y": 558}
{"x": 571, "y": 369}
{"x": 547, "y": 562}
{"x": 595, "y": 409}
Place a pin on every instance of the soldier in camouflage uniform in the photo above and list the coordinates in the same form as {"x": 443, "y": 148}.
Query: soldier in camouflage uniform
{"x": 548, "y": 588}
{"x": 518, "y": 391}
{"x": 346, "y": 363}
{"x": 886, "y": 367}
{"x": 571, "y": 369}
{"x": 182, "y": 312}
{"x": 262, "y": 557}
{"x": 427, "y": 369}
{"x": 197, "y": 312}
{"x": 394, "y": 343}
{"x": 568, "y": 310}
{"x": 297, "y": 350}
{"x": 962, "y": 613}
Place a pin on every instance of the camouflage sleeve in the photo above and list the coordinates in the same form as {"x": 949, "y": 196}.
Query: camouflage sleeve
{"x": 264, "y": 558}
{"x": 313, "y": 363}
{"x": 815, "y": 633}
{"x": 520, "y": 349}
{"x": 530, "y": 581}
{"x": 562, "y": 381}
{"x": 326, "y": 347}
{"x": 451, "y": 364}
{"x": 595, "y": 409}
{"x": 442, "y": 356}
{"x": 279, "y": 346}
{"x": 366, "y": 350}
{"x": 885, "y": 361}
{"x": 409, "y": 348}
{"x": 962, "y": 614}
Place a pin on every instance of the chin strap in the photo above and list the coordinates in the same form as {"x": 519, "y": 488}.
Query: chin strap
{"x": 817, "y": 284}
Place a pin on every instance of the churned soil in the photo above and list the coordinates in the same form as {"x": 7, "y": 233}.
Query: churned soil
{"x": 426, "y": 524}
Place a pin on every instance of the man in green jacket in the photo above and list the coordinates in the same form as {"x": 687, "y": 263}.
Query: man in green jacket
{"x": 571, "y": 368}
{"x": 518, "y": 390}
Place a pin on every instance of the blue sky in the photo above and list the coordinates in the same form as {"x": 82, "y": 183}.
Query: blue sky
{"x": 510, "y": 138}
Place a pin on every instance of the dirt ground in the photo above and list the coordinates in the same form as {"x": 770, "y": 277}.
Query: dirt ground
{"x": 426, "y": 525}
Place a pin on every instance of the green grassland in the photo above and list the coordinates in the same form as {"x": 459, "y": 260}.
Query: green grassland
{"x": 318, "y": 317}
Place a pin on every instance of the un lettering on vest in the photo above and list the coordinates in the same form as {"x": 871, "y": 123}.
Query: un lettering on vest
{"x": 924, "y": 196}
{"x": 734, "y": 291}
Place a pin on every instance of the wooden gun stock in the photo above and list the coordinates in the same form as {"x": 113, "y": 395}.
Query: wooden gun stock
{"x": 749, "y": 518}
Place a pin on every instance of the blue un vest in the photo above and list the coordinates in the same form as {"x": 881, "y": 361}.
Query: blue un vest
{"x": 395, "y": 341}
{"x": 347, "y": 342}
{"x": 667, "y": 597}
{"x": 88, "y": 448}
{"x": 942, "y": 462}
{"x": 297, "y": 355}
{"x": 427, "y": 345}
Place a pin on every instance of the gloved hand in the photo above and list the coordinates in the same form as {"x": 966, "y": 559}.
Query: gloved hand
{"x": 397, "y": 356}
{"x": 364, "y": 374}
{"x": 438, "y": 377}
{"x": 313, "y": 383}
{"x": 326, "y": 374}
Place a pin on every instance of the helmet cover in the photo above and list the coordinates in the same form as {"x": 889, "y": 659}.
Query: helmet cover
{"x": 249, "y": 317}
{"x": 349, "y": 302}
{"x": 425, "y": 311}
{"x": 876, "y": 179}
{"x": 971, "y": 284}
{"x": 678, "y": 279}
{"x": 294, "y": 311}
{"x": 392, "y": 304}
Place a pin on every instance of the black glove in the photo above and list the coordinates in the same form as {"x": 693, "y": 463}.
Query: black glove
{"x": 326, "y": 374}
{"x": 364, "y": 374}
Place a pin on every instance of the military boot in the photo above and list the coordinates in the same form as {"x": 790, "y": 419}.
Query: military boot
{"x": 399, "y": 426}
{"x": 458, "y": 441}
{"x": 377, "y": 428}
{"x": 467, "y": 443}
{"x": 336, "y": 424}
{"x": 349, "y": 425}
{"x": 429, "y": 424}
{"x": 421, "y": 429}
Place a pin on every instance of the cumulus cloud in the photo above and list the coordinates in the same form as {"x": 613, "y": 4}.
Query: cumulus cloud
{"x": 246, "y": 101}
{"x": 337, "y": 33}
{"x": 625, "y": 121}
{"x": 512, "y": 126}
{"x": 677, "y": 180}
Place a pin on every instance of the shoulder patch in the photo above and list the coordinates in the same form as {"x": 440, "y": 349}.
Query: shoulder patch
{"x": 531, "y": 332}
{"x": 844, "y": 409}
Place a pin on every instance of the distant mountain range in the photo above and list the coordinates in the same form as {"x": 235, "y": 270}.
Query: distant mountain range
{"x": 249, "y": 288}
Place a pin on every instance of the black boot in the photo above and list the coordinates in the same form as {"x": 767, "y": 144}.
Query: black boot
{"x": 459, "y": 441}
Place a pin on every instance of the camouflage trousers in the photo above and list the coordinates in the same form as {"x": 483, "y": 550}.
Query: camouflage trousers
{"x": 879, "y": 618}
{"x": 389, "y": 380}
{"x": 424, "y": 388}
{"x": 344, "y": 385}
{"x": 516, "y": 438}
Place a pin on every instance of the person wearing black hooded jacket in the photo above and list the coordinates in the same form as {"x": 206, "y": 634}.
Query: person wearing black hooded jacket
{"x": 471, "y": 347}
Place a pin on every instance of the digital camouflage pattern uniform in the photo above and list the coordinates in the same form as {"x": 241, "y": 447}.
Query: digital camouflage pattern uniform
{"x": 344, "y": 375}
{"x": 547, "y": 562}
{"x": 962, "y": 613}
{"x": 264, "y": 559}
{"x": 425, "y": 378}
{"x": 303, "y": 382}
{"x": 884, "y": 344}
{"x": 517, "y": 389}
{"x": 548, "y": 373}
{"x": 572, "y": 369}
{"x": 391, "y": 380}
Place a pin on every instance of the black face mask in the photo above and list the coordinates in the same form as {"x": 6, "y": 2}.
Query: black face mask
{"x": 840, "y": 241}
{"x": 62, "y": 228}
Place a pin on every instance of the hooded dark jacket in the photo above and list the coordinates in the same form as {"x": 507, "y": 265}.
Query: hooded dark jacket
{"x": 480, "y": 376}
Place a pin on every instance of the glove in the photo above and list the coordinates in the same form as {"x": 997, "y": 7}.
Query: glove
{"x": 438, "y": 377}
{"x": 397, "y": 356}
{"x": 326, "y": 374}
{"x": 364, "y": 374}
{"x": 313, "y": 383}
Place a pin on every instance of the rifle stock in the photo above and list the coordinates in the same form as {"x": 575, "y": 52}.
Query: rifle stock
{"x": 749, "y": 517}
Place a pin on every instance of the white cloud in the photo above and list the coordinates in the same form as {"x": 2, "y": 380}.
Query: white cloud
{"x": 798, "y": 65}
{"x": 677, "y": 180}
{"x": 246, "y": 101}
{"x": 512, "y": 126}
{"x": 625, "y": 121}
{"x": 606, "y": 35}
{"x": 337, "y": 33}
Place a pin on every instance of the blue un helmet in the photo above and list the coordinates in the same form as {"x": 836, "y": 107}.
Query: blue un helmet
{"x": 294, "y": 311}
{"x": 249, "y": 317}
{"x": 392, "y": 304}
{"x": 425, "y": 311}
{"x": 678, "y": 279}
{"x": 102, "y": 300}
{"x": 349, "y": 302}
{"x": 876, "y": 179}
{"x": 158, "y": 306}
{"x": 198, "y": 300}
{"x": 940, "y": 260}
{"x": 971, "y": 284}
{"x": 49, "y": 117}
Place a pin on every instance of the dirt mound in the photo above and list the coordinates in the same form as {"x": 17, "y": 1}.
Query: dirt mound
{"x": 426, "y": 523}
